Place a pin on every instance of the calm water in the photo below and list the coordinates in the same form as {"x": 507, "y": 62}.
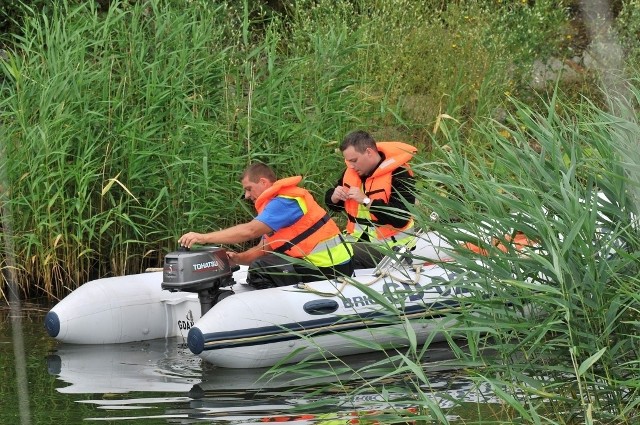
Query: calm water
{"x": 161, "y": 382}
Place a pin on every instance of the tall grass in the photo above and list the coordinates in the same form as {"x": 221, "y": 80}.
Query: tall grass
{"x": 127, "y": 129}
{"x": 543, "y": 180}
{"x": 552, "y": 327}
{"x": 434, "y": 57}
{"x": 99, "y": 122}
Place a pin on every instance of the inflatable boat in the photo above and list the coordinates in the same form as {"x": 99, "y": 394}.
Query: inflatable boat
{"x": 200, "y": 298}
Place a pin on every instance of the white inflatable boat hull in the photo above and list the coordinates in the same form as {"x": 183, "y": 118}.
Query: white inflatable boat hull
{"x": 260, "y": 328}
{"x": 122, "y": 309}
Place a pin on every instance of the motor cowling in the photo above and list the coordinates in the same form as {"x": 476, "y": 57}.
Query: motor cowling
{"x": 204, "y": 271}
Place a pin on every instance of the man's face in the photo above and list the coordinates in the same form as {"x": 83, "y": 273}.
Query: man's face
{"x": 361, "y": 163}
{"x": 254, "y": 189}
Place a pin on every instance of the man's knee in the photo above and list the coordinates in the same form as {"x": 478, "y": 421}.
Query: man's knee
{"x": 268, "y": 272}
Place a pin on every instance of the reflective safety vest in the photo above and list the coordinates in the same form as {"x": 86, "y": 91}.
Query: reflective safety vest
{"x": 314, "y": 237}
{"x": 378, "y": 186}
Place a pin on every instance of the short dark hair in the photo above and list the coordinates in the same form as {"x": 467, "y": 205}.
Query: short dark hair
{"x": 360, "y": 140}
{"x": 258, "y": 170}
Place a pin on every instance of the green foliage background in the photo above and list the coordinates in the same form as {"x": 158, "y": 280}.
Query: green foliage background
{"x": 125, "y": 126}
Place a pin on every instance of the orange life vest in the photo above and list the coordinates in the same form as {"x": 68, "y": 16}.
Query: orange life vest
{"x": 518, "y": 242}
{"x": 315, "y": 226}
{"x": 377, "y": 186}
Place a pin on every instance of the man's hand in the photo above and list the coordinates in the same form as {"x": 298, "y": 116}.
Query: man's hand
{"x": 234, "y": 258}
{"x": 356, "y": 194}
{"x": 235, "y": 234}
{"x": 189, "y": 239}
{"x": 340, "y": 193}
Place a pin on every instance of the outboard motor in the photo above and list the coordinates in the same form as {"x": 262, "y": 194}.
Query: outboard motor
{"x": 204, "y": 271}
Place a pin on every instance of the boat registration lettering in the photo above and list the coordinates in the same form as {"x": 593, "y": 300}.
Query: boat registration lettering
{"x": 358, "y": 301}
{"x": 185, "y": 325}
{"x": 397, "y": 292}
{"x": 394, "y": 292}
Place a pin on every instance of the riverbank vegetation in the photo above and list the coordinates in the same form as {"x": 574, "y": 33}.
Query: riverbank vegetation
{"x": 125, "y": 127}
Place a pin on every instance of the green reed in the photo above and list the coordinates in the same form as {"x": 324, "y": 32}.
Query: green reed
{"x": 561, "y": 318}
{"x": 543, "y": 181}
{"x": 95, "y": 159}
{"x": 127, "y": 129}
{"x": 550, "y": 327}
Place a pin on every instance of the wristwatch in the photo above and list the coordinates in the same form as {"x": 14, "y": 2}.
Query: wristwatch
{"x": 366, "y": 201}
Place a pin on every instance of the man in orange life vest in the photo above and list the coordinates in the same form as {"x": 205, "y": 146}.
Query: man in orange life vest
{"x": 374, "y": 191}
{"x": 289, "y": 222}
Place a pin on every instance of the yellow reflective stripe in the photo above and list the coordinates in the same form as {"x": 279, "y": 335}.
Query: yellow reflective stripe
{"x": 330, "y": 252}
{"x": 300, "y": 201}
{"x": 359, "y": 230}
{"x": 401, "y": 238}
{"x": 326, "y": 244}
{"x": 363, "y": 212}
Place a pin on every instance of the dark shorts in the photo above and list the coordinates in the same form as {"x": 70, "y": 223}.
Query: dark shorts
{"x": 271, "y": 270}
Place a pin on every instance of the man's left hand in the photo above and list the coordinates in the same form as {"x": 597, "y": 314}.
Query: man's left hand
{"x": 189, "y": 239}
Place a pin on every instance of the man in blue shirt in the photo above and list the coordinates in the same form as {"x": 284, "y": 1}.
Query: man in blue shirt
{"x": 290, "y": 223}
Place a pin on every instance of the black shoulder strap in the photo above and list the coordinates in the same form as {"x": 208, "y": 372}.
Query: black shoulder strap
{"x": 304, "y": 235}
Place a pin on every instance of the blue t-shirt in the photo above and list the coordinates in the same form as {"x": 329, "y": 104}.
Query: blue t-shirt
{"x": 280, "y": 213}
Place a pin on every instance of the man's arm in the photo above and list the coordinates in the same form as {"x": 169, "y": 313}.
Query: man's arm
{"x": 236, "y": 234}
{"x": 402, "y": 192}
{"x": 246, "y": 257}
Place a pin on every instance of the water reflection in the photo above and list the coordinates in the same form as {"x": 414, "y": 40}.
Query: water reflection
{"x": 158, "y": 365}
{"x": 162, "y": 380}
{"x": 168, "y": 365}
